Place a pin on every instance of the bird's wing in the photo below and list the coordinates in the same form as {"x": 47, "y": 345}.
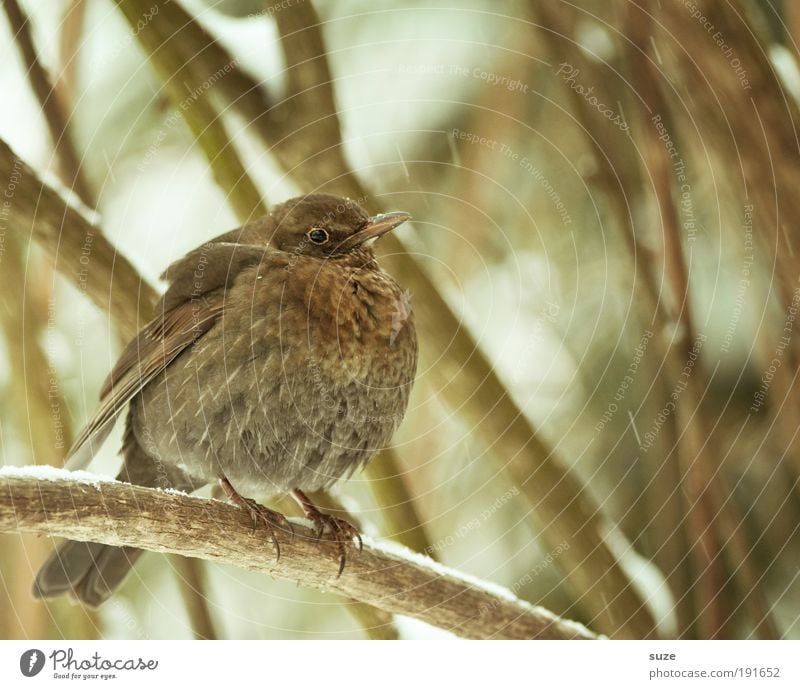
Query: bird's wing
{"x": 191, "y": 306}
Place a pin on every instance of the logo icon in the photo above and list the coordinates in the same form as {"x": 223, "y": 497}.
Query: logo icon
{"x": 31, "y": 662}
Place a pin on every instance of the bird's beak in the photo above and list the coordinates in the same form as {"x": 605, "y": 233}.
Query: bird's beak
{"x": 377, "y": 226}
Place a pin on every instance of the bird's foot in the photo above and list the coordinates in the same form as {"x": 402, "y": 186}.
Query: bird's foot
{"x": 338, "y": 530}
{"x": 260, "y": 515}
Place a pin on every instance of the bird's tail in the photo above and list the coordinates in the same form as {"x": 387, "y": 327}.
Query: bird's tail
{"x": 91, "y": 572}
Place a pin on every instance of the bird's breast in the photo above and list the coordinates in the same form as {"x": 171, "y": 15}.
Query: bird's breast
{"x": 362, "y": 327}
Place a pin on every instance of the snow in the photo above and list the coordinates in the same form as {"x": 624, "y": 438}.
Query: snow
{"x": 411, "y": 628}
{"x": 647, "y": 579}
{"x": 501, "y": 592}
{"x": 173, "y": 491}
{"x": 43, "y": 472}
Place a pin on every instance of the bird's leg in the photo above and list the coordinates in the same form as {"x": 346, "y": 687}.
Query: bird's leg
{"x": 340, "y": 530}
{"x": 259, "y": 514}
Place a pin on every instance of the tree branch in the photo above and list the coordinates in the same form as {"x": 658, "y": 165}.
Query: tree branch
{"x": 77, "y": 247}
{"x": 193, "y": 104}
{"x": 115, "y": 513}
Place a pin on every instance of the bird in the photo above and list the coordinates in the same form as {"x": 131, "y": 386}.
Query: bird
{"x": 279, "y": 360}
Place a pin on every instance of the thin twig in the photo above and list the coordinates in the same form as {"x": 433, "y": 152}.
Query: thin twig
{"x": 394, "y": 580}
{"x": 69, "y": 43}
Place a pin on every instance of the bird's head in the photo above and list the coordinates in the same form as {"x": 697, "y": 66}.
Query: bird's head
{"x": 326, "y": 226}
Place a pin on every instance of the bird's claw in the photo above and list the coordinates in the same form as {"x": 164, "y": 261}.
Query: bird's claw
{"x": 260, "y": 515}
{"x": 269, "y": 519}
{"x": 338, "y": 530}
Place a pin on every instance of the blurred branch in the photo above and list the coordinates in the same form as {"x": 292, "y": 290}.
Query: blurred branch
{"x": 122, "y": 514}
{"x": 42, "y": 416}
{"x": 54, "y": 116}
{"x": 716, "y": 523}
{"x": 191, "y": 99}
{"x": 69, "y": 43}
{"x": 618, "y": 179}
{"x": 377, "y": 624}
{"x": 39, "y": 419}
{"x": 617, "y": 176}
{"x": 705, "y": 549}
{"x": 192, "y": 584}
{"x": 759, "y": 146}
{"x": 305, "y": 125}
{"x": 186, "y": 45}
{"x": 304, "y": 139}
{"x": 646, "y": 79}
{"x": 398, "y": 507}
{"x": 77, "y": 247}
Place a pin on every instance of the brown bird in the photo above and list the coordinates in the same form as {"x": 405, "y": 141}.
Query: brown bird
{"x": 280, "y": 359}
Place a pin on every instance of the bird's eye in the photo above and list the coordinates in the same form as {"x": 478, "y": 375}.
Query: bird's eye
{"x": 318, "y": 235}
